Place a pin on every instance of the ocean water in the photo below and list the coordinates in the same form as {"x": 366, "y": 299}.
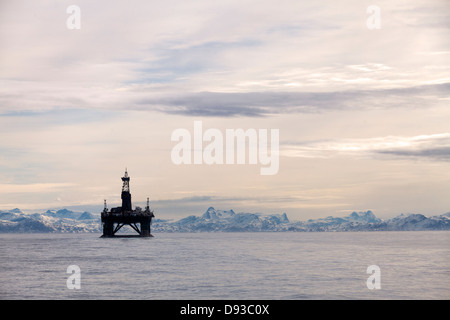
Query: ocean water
{"x": 288, "y": 266}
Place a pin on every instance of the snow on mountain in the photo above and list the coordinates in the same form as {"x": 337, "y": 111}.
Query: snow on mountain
{"x": 50, "y": 221}
{"x": 220, "y": 220}
{"x": 214, "y": 220}
{"x": 212, "y": 213}
{"x": 356, "y": 221}
{"x": 367, "y": 217}
{"x": 419, "y": 222}
{"x": 63, "y": 214}
{"x": 10, "y": 214}
{"x": 223, "y": 220}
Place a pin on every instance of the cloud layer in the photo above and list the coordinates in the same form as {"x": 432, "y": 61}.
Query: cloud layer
{"x": 429, "y": 147}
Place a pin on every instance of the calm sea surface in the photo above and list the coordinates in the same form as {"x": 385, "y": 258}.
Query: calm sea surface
{"x": 413, "y": 265}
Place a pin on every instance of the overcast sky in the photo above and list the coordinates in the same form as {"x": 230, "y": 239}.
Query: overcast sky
{"x": 363, "y": 115}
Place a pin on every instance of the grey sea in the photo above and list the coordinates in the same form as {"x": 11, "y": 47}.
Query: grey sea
{"x": 275, "y": 266}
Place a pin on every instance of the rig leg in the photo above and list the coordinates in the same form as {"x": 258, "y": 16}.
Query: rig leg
{"x": 145, "y": 229}
{"x": 108, "y": 229}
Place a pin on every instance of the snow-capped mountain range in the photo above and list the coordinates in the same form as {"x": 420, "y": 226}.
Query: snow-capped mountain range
{"x": 213, "y": 220}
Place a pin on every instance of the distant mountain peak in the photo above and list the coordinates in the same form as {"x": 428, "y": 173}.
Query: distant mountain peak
{"x": 64, "y": 211}
{"x": 212, "y": 213}
{"x": 364, "y": 216}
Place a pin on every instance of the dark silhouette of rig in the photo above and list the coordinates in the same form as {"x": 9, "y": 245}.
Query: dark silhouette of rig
{"x": 116, "y": 218}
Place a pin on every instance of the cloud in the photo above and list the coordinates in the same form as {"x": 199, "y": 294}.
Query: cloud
{"x": 33, "y": 188}
{"x": 232, "y": 59}
{"x": 442, "y": 153}
{"x": 430, "y": 147}
{"x": 265, "y": 103}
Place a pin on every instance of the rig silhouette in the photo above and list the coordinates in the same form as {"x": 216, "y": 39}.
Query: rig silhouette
{"x": 116, "y": 218}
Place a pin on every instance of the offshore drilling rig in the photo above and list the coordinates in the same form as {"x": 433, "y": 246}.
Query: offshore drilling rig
{"x": 116, "y": 218}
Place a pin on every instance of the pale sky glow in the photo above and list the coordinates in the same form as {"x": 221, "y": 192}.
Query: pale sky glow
{"x": 363, "y": 114}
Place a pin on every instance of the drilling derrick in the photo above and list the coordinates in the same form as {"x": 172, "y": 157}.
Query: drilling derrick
{"x": 114, "y": 219}
{"x": 126, "y": 195}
